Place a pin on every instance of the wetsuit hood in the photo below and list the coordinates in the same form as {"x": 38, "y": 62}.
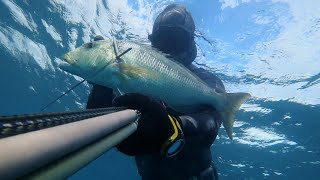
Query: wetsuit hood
{"x": 173, "y": 33}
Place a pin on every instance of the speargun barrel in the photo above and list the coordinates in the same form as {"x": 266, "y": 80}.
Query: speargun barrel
{"x": 58, "y": 152}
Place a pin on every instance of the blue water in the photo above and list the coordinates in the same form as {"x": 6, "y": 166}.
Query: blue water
{"x": 267, "y": 48}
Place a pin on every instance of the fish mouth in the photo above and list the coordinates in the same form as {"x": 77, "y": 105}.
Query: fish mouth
{"x": 63, "y": 64}
{"x": 66, "y": 62}
{"x": 67, "y": 59}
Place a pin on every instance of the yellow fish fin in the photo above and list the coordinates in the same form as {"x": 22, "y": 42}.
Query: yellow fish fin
{"x": 135, "y": 72}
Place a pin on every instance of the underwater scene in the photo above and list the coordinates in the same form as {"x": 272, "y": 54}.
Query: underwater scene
{"x": 270, "y": 49}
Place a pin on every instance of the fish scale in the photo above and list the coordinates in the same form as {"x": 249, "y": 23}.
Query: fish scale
{"x": 149, "y": 61}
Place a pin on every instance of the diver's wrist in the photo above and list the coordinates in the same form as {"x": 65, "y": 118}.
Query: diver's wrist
{"x": 175, "y": 142}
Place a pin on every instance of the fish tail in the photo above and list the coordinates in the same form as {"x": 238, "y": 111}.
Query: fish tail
{"x": 233, "y": 103}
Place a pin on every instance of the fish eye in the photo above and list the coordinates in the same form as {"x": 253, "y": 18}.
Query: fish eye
{"x": 88, "y": 45}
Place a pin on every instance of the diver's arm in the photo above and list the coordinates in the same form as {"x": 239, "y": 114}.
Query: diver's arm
{"x": 100, "y": 97}
{"x": 207, "y": 122}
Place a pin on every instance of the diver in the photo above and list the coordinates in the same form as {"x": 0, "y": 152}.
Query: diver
{"x": 168, "y": 144}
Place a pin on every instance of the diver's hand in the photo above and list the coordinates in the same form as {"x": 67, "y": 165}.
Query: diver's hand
{"x": 154, "y": 126}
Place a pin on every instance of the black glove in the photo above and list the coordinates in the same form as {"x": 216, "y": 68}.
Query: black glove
{"x": 154, "y": 126}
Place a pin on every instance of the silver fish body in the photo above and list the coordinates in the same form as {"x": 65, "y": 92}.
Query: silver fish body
{"x": 147, "y": 71}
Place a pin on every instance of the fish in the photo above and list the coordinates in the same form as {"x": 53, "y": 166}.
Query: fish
{"x": 148, "y": 71}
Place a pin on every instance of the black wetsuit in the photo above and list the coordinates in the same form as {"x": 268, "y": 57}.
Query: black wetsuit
{"x": 195, "y": 160}
{"x": 200, "y": 130}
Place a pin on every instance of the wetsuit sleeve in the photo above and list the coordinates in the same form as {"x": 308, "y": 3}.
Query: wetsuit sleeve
{"x": 100, "y": 97}
{"x": 204, "y": 125}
